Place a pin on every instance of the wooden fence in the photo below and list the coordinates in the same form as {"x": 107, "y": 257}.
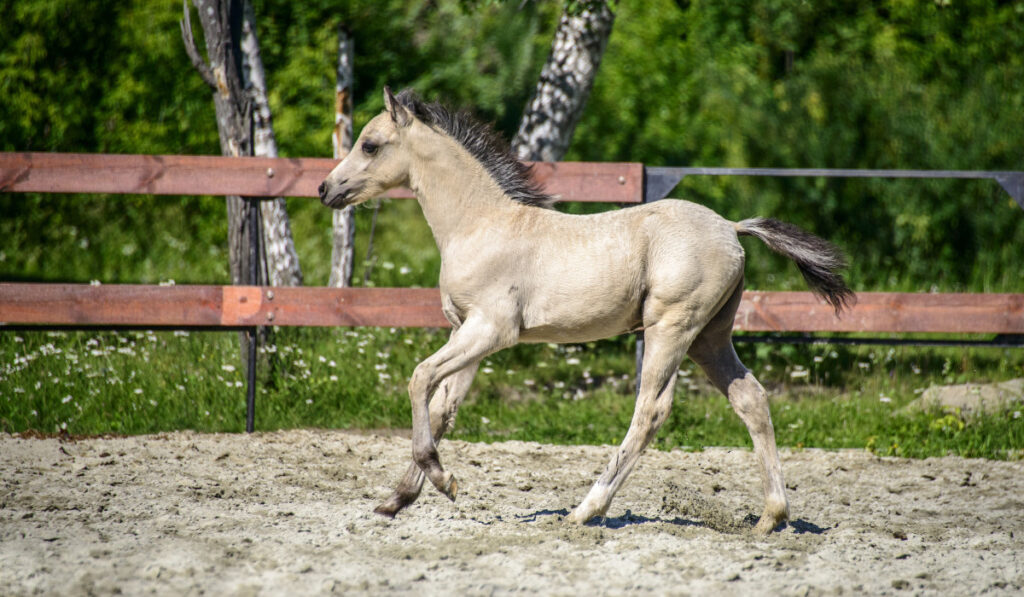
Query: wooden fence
{"x": 244, "y": 307}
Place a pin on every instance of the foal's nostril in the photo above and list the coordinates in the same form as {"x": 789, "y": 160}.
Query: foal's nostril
{"x": 322, "y": 189}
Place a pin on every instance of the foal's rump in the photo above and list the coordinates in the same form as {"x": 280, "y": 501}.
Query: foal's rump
{"x": 591, "y": 277}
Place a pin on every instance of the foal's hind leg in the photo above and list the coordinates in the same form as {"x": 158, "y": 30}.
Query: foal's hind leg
{"x": 713, "y": 351}
{"x": 443, "y": 406}
{"x": 665, "y": 345}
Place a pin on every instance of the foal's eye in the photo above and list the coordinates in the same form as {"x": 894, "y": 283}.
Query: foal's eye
{"x": 370, "y": 148}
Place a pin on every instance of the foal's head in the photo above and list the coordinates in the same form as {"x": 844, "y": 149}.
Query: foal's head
{"x": 384, "y": 151}
{"x": 376, "y": 163}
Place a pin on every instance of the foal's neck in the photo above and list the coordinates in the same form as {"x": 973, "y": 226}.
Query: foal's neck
{"x": 455, "y": 191}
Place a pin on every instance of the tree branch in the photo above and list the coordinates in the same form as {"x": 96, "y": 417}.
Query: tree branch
{"x": 193, "y": 52}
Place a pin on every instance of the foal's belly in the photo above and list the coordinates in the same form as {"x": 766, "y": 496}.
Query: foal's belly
{"x": 562, "y": 335}
{"x": 580, "y": 321}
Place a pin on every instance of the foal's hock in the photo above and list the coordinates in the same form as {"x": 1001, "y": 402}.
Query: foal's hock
{"x": 514, "y": 271}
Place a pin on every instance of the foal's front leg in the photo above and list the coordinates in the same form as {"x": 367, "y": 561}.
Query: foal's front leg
{"x": 475, "y": 339}
{"x": 443, "y": 406}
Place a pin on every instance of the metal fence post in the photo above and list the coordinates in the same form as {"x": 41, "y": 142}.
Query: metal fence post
{"x": 252, "y": 333}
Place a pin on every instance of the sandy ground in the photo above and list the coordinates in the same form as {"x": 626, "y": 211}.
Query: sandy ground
{"x": 290, "y": 513}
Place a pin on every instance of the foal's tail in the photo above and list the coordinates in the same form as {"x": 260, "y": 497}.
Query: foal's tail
{"x": 819, "y": 260}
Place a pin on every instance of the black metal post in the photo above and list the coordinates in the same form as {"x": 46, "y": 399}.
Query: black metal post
{"x": 253, "y": 205}
{"x": 252, "y": 333}
{"x": 250, "y": 382}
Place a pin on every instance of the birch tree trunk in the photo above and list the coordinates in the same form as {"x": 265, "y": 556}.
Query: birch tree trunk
{"x": 282, "y": 261}
{"x": 221, "y": 21}
{"x": 565, "y": 81}
{"x": 344, "y": 226}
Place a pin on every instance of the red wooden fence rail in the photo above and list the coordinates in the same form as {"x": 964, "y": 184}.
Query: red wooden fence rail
{"x": 243, "y": 306}
{"x": 265, "y": 177}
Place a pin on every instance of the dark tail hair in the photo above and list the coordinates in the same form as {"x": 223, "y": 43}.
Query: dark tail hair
{"x": 819, "y": 260}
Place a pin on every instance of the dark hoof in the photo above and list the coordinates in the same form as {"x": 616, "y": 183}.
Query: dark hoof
{"x": 448, "y": 486}
{"x": 389, "y": 508}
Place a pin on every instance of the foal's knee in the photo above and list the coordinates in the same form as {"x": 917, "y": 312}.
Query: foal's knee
{"x": 421, "y": 380}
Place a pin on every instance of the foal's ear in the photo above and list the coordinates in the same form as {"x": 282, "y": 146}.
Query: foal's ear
{"x": 400, "y": 115}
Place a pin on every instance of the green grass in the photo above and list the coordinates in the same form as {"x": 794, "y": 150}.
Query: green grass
{"x": 827, "y": 397}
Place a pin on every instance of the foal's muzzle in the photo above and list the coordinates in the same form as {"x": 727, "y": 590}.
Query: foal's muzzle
{"x": 334, "y": 196}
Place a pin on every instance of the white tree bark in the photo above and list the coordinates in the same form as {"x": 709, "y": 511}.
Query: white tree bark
{"x": 565, "y": 81}
{"x": 344, "y": 226}
{"x": 282, "y": 261}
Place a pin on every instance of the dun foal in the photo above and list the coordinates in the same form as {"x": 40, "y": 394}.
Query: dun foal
{"x": 514, "y": 271}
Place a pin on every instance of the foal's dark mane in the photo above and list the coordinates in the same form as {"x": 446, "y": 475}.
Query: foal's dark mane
{"x": 483, "y": 143}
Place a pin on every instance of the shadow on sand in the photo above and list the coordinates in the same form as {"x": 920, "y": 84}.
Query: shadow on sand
{"x": 798, "y": 526}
